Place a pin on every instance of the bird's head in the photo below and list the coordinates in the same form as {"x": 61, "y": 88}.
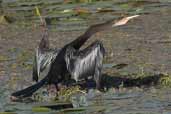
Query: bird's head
{"x": 123, "y": 21}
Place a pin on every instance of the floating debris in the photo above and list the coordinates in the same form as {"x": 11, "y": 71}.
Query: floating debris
{"x": 53, "y": 106}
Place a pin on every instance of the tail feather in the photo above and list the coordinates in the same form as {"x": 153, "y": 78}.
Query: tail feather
{"x": 27, "y": 92}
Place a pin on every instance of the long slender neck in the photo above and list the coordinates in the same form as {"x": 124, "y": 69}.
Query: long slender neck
{"x": 77, "y": 43}
{"x": 44, "y": 43}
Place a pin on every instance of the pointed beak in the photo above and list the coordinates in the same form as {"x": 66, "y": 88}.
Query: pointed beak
{"x": 124, "y": 20}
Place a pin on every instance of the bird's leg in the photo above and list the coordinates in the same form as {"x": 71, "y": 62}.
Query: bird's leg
{"x": 86, "y": 83}
{"x": 98, "y": 79}
{"x": 57, "y": 87}
{"x": 52, "y": 88}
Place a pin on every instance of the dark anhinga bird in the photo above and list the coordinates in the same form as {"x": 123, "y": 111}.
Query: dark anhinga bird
{"x": 58, "y": 68}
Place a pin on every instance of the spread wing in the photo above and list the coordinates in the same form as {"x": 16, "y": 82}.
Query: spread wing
{"x": 42, "y": 61}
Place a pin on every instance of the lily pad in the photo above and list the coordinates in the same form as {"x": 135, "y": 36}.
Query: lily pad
{"x": 3, "y": 58}
{"x": 8, "y": 113}
{"x": 73, "y": 110}
{"x": 40, "y": 109}
{"x": 54, "y": 106}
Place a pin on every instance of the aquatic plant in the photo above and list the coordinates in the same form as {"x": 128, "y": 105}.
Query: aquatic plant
{"x": 165, "y": 81}
{"x": 65, "y": 93}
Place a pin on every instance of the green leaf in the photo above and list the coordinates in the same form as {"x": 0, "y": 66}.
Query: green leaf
{"x": 8, "y": 113}
{"x": 40, "y": 109}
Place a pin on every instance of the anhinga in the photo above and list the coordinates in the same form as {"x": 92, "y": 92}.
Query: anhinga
{"x": 62, "y": 65}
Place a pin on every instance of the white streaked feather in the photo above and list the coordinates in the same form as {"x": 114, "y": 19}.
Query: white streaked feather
{"x": 44, "y": 60}
{"x": 80, "y": 64}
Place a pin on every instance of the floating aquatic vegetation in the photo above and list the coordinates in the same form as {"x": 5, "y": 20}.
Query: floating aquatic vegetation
{"x": 53, "y": 105}
{"x": 8, "y": 113}
{"x": 2, "y": 20}
{"x": 3, "y": 58}
{"x": 40, "y": 109}
{"x": 165, "y": 80}
{"x": 38, "y": 13}
{"x": 65, "y": 93}
{"x": 72, "y": 110}
{"x": 43, "y": 95}
{"x": 24, "y": 59}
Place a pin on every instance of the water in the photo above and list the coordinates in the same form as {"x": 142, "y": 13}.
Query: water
{"x": 141, "y": 48}
{"x": 128, "y": 101}
{"x": 69, "y": 16}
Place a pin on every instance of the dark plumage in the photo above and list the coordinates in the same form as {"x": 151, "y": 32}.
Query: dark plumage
{"x": 85, "y": 63}
{"x": 58, "y": 68}
{"x": 43, "y": 58}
